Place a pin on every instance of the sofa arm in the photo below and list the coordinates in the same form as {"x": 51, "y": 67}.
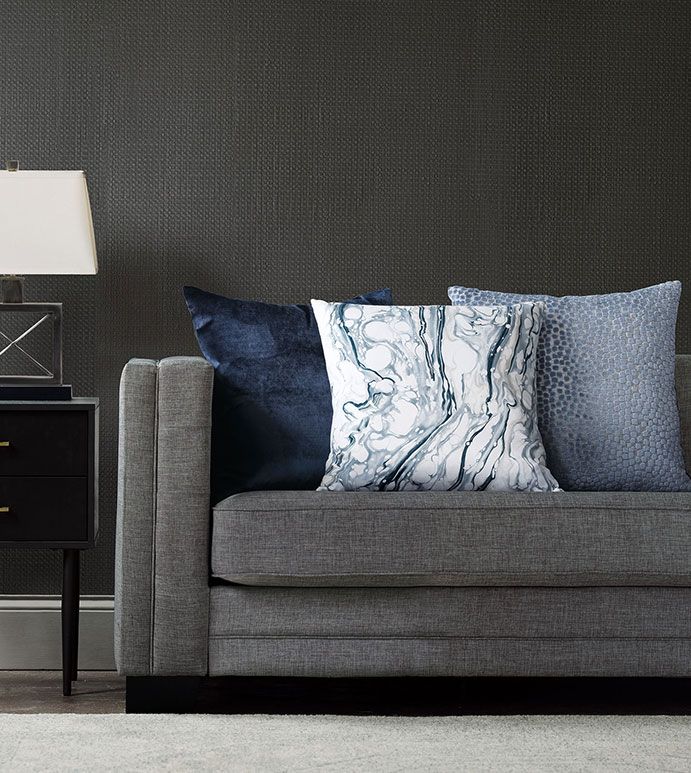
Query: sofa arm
{"x": 162, "y": 535}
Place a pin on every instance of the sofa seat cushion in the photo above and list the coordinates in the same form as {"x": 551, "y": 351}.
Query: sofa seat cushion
{"x": 393, "y": 539}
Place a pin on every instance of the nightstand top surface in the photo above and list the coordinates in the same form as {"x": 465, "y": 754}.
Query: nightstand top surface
{"x": 74, "y": 404}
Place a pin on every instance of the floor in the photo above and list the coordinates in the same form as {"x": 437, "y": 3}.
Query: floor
{"x": 40, "y": 692}
{"x": 58, "y": 737}
{"x": 268, "y": 744}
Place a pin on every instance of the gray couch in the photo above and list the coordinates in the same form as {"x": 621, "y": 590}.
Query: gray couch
{"x": 304, "y": 583}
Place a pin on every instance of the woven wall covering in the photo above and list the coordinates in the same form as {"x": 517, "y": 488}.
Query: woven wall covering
{"x": 282, "y": 150}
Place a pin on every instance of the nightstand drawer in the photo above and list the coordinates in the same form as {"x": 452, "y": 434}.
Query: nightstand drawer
{"x": 43, "y": 442}
{"x": 50, "y": 509}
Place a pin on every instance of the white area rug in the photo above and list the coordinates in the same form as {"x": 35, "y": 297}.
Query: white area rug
{"x": 47, "y": 742}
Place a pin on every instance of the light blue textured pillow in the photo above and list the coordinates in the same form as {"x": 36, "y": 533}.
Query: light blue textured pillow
{"x": 432, "y": 398}
{"x": 607, "y": 408}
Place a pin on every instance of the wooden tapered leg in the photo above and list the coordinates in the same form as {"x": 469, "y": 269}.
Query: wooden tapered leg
{"x": 70, "y": 618}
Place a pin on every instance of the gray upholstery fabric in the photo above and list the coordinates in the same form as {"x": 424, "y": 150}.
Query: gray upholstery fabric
{"x": 450, "y": 631}
{"x": 684, "y": 401}
{"x": 308, "y": 538}
{"x": 469, "y": 539}
{"x": 162, "y": 593}
{"x": 134, "y": 526}
{"x": 304, "y": 656}
{"x": 239, "y": 612}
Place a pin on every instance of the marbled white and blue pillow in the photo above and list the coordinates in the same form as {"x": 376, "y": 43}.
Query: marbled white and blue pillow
{"x": 606, "y": 398}
{"x": 433, "y": 397}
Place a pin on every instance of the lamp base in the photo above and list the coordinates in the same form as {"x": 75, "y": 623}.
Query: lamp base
{"x": 45, "y": 392}
{"x": 12, "y": 289}
{"x": 37, "y": 316}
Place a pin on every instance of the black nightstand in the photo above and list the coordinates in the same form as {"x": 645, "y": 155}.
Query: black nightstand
{"x": 49, "y": 493}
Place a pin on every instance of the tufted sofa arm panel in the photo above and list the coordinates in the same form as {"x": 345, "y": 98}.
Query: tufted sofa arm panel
{"x": 162, "y": 537}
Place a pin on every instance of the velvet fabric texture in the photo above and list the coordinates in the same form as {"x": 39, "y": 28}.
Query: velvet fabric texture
{"x": 606, "y": 400}
{"x": 272, "y": 402}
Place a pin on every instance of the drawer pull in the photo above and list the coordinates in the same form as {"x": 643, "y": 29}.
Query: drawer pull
{"x": 4, "y": 443}
{"x": 4, "y": 509}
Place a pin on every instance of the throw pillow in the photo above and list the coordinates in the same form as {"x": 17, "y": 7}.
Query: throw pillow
{"x": 433, "y": 398}
{"x": 271, "y": 405}
{"x": 606, "y": 399}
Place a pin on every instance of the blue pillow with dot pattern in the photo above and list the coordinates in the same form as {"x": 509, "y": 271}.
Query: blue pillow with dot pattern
{"x": 606, "y": 399}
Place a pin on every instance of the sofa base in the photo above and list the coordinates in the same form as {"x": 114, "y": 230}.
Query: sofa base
{"x": 408, "y": 696}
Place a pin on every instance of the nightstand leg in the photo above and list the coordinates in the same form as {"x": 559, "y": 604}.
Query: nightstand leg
{"x": 75, "y": 618}
{"x": 70, "y": 617}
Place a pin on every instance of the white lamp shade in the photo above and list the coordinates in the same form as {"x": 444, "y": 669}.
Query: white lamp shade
{"x": 45, "y": 224}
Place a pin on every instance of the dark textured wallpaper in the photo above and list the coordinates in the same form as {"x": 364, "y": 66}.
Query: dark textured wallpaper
{"x": 283, "y": 150}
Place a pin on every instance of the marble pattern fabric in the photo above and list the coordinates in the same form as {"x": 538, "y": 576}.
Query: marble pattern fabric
{"x": 606, "y": 399}
{"x": 433, "y": 398}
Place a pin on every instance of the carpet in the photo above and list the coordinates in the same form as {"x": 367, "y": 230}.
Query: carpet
{"x": 52, "y": 742}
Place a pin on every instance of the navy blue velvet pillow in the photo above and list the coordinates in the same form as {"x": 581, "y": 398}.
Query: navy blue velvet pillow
{"x": 272, "y": 402}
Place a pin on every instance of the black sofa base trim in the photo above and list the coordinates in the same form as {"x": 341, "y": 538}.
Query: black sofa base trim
{"x": 407, "y": 696}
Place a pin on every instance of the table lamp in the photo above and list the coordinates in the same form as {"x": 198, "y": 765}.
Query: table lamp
{"x": 45, "y": 228}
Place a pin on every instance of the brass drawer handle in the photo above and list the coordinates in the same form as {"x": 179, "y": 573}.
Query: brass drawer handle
{"x": 4, "y": 443}
{"x": 4, "y": 509}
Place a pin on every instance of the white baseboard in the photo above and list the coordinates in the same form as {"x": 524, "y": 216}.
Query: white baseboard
{"x": 30, "y": 633}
